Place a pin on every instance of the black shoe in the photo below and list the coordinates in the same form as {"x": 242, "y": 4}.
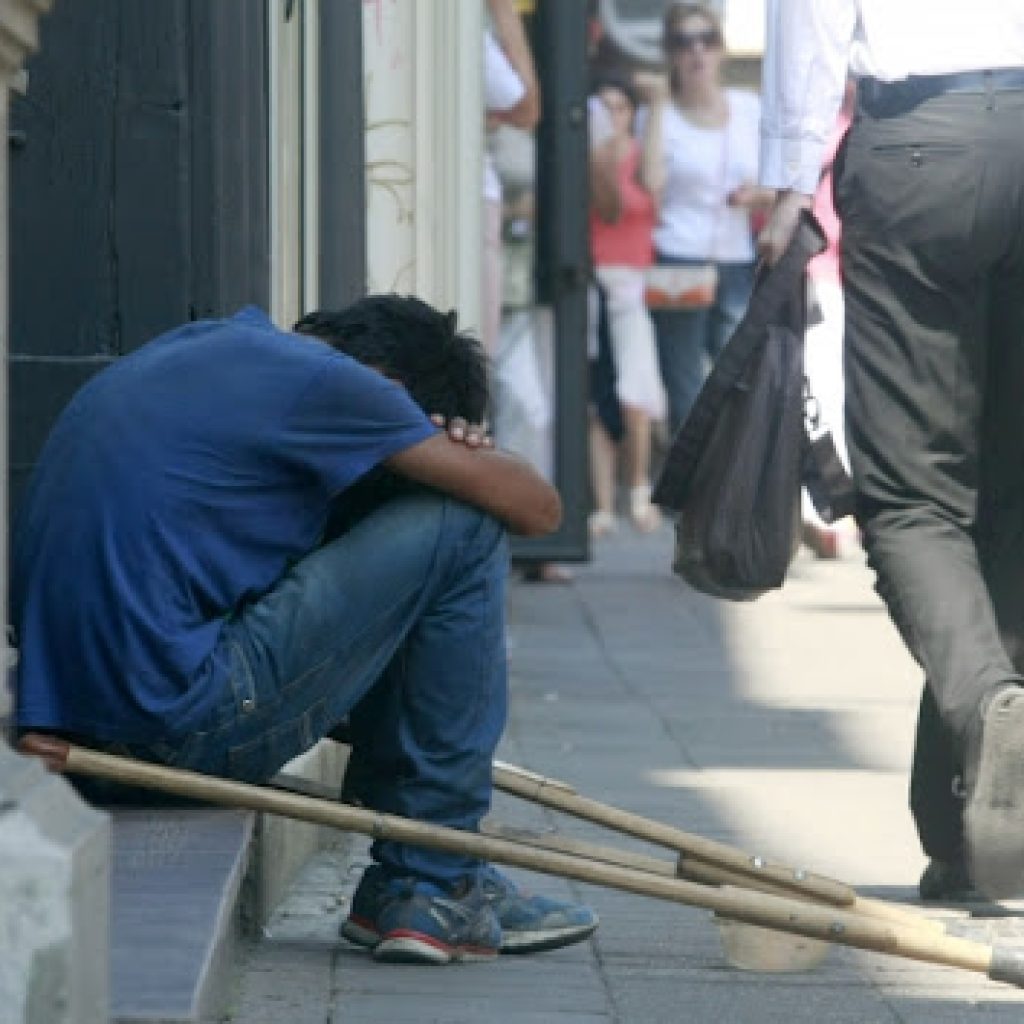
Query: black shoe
{"x": 994, "y": 813}
{"x": 946, "y": 881}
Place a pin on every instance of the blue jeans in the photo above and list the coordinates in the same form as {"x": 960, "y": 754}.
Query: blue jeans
{"x": 398, "y": 623}
{"x": 690, "y": 340}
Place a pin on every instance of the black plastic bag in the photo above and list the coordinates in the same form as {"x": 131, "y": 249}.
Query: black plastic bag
{"x": 735, "y": 469}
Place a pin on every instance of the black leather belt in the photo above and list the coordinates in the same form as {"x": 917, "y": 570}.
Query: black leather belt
{"x": 909, "y": 92}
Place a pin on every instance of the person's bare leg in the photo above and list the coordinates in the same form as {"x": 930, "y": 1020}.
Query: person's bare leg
{"x": 602, "y": 475}
{"x": 645, "y": 516}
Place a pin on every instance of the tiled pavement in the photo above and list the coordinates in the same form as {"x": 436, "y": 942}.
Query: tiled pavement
{"x": 783, "y": 726}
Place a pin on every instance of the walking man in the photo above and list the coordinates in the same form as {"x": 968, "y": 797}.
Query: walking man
{"x": 929, "y": 186}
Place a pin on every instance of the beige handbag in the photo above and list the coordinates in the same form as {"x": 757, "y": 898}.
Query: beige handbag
{"x": 668, "y": 287}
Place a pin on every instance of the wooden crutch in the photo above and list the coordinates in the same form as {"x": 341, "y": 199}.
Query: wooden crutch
{"x": 766, "y": 910}
{"x": 702, "y": 859}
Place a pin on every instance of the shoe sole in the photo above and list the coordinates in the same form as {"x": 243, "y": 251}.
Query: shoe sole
{"x": 415, "y": 948}
{"x": 511, "y": 942}
{"x": 994, "y": 816}
{"x": 540, "y": 941}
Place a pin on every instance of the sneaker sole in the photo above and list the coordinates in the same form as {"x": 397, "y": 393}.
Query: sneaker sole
{"x": 414, "y": 948}
{"x": 540, "y": 941}
{"x": 994, "y": 816}
{"x": 363, "y": 935}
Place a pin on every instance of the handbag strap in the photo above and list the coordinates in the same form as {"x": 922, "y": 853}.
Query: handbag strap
{"x": 723, "y": 170}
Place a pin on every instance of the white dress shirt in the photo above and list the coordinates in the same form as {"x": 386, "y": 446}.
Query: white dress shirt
{"x": 812, "y": 45}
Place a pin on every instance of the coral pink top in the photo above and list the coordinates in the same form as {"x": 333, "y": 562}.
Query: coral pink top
{"x": 826, "y": 266}
{"x": 627, "y": 242}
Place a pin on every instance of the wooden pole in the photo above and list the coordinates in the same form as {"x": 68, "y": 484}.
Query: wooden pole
{"x": 695, "y": 871}
{"x": 705, "y": 859}
{"x": 765, "y": 910}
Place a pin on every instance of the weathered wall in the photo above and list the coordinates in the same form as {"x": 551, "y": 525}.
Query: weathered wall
{"x": 134, "y": 208}
{"x": 424, "y": 139}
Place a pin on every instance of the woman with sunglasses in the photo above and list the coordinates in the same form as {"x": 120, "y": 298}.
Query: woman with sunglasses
{"x": 700, "y": 162}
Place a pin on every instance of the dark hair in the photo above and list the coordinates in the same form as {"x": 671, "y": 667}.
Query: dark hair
{"x": 678, "y": 12}
{"x": 444, "y": 370}
{"x": 613, "y": 80}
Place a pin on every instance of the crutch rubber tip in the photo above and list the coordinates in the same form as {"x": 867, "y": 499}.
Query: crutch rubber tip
{"x": 1007, "y": 965}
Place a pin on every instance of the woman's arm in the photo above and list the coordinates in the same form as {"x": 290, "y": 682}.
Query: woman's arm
{"x": 605, "y": 194}
{"x": 652, "y": 156}
{"x": 508, "y": 31}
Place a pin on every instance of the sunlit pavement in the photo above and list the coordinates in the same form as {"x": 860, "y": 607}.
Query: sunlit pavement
{"x": 783, "y": 726}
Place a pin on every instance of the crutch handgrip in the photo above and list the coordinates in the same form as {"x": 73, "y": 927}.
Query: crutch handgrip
{"x": 52, "y": 751}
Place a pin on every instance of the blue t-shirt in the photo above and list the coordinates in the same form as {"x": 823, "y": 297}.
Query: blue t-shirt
{"x": 179, "y": 482}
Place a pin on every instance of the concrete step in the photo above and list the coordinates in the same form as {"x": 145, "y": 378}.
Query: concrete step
{"x": 176, "y": 881}
{"x": 187, "y": 884}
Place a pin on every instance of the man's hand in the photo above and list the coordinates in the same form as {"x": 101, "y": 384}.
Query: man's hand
{"x": 470, "y": 434}
{"x": 782, "y": 221}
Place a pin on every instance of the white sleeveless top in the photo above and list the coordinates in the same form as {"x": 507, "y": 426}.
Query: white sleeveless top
{"x": 702, "y": 166}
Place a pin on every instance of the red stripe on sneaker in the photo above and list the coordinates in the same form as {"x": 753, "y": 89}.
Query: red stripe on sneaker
{"x": 444, "y": 947}
{"x": 429, "y": 940}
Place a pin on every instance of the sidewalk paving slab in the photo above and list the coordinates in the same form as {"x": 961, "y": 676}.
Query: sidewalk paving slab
{"x": 783, "y": 726}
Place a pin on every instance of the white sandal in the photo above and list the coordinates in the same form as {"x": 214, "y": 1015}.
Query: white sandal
{"x": 602, "y": 524}
{"x": 645, "y": 516}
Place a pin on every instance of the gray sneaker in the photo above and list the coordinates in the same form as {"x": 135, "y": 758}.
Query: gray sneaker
{"x": 422, "y": 923}
{"x": 531, "y": 923}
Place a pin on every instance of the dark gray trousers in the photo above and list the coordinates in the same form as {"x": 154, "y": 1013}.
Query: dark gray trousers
{"x": 932, "y": 204}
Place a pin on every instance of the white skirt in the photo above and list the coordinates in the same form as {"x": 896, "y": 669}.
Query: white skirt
{"x": 637, "y": 377}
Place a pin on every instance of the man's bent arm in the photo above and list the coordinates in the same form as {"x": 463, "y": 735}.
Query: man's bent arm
{"x": 807, "y": 51}
{"x": 501, "y": 484}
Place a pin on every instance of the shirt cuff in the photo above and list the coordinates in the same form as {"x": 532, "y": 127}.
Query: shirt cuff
{"x": 792, "y": 164}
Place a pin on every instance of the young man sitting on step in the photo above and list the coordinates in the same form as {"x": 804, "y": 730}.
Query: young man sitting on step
{"x": 237, "y": 536}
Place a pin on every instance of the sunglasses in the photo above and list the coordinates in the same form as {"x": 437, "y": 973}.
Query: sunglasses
{"x": 710, "y": 39}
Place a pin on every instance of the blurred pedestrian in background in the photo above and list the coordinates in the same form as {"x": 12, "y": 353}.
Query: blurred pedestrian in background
{"x": 928, "y": 188}
{"x": 700, "y": 152}
{"x": 621, "y": 244}
{"x": 823, "y": 352}
{"x": 512, "y": 97}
